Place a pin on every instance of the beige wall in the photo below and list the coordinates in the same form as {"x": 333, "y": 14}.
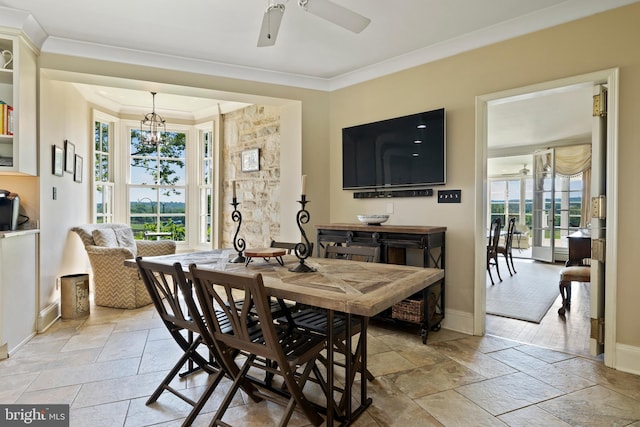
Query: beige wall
{"x": 600, "y": 42}
{"x": 64, "y": 114}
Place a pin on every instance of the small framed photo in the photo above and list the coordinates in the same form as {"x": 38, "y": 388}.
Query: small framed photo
{"x": 77, "y": 170}
{"x": 251, "y": 160}
{"x": 69, "y": 156}
{"x": 57, "y": 160}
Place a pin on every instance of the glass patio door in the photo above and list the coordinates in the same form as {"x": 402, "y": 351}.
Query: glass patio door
{"x": 543, "y": 229}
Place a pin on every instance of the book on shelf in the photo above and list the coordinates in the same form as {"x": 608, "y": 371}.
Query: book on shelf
{"x": 6, "y": 119}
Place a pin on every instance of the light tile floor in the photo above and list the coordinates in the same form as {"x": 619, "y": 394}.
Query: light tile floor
{"x": 106, "y": 365}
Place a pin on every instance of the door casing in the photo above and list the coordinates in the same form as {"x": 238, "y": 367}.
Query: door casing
{"x": 609, "y": 77}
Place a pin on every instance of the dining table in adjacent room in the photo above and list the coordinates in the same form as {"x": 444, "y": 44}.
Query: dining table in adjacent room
{"x": 354, "y": 288}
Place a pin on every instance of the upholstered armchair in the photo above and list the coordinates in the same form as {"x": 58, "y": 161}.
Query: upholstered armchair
{"x": 107, "y": 246}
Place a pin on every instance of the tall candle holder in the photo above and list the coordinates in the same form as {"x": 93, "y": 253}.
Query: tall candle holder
{"x": 238, "y": 244}
{"x": 302, "y": 250}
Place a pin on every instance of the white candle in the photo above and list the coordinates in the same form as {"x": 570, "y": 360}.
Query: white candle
{"x": 304, "y": 184}
{"x": 233, "y": 186}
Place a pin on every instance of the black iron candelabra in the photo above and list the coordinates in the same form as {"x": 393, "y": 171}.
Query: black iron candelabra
{"x": 238, "y": 244}
{"x": 302, "y": 250}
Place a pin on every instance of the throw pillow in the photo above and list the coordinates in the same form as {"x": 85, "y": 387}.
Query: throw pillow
{"x": 126, "y": 240}
{"x": 105, "y": 237}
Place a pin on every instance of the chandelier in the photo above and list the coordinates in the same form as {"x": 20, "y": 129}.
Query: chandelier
{"x": 152, "y": 127}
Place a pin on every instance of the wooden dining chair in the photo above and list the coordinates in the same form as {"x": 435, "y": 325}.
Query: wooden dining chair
{"x": 316, "y": 320}
{"x": 354, "y": 253}
{"x": 278, "y": 351}
{"x": 163, "y": 284}
{"x": 492, "y": 248}
{"x": 507, "y": 249}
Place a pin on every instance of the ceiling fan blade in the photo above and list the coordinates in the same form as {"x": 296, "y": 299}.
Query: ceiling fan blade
{"x": 270, "y": 25}
{"x": 336, "y": 14}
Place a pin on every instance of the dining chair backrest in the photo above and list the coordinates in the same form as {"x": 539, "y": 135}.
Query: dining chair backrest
{"x": 163, "y": 287}
{"x": 494, "y": 236}
{"x": 355, "y": 253}
{"x": 289, "y": 246}
{"x": 222, "y": 291}
{"x": 508, "y": 239}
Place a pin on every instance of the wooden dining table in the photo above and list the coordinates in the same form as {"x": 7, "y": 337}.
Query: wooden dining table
{"x": 354, "y": 288}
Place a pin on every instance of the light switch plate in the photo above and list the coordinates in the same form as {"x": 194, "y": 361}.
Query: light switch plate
{"x": 449, "y": 196}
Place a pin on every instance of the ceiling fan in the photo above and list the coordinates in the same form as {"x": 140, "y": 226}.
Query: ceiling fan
{"x": 324, "y": 9}
{"x": 524, "y": 171}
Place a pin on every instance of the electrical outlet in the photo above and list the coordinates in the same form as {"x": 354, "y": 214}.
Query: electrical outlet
{"x": 449, "y": 196}
{"x": 390, "y": 208}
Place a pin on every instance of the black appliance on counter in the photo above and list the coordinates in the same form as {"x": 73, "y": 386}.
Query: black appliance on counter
{"x": 9, "y": 207}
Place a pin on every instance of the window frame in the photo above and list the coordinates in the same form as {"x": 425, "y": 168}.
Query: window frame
{"x": 108, "y": 214}
{"x": 126, "y": 159}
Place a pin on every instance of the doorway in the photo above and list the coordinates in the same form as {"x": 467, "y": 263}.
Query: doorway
{"x": 606, "y": 77}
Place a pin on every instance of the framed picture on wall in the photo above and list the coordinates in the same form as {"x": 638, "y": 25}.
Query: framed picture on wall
{"x": 77, "y": 170}
{"x": 251, "y": 160}
{"x": 69, "y": 156}
{"x": 57, "y": 160}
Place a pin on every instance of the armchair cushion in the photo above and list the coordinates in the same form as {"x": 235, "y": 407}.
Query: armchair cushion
{"x": 126, "y": 240}
{"x": 115, "y": 238}
{"x": 105, "y": 237}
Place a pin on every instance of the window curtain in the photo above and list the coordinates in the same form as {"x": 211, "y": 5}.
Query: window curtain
{"x": 572, "y": 161}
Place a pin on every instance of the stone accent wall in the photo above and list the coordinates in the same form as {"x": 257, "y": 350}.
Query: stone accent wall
{"x": 258, "y": 192}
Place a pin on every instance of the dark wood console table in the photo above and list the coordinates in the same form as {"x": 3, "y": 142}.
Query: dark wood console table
{"x": 393, "y": 241}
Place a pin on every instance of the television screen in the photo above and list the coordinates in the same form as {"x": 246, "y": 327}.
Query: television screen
{"x": 405, "y": 151}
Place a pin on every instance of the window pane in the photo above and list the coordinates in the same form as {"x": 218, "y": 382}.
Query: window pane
{"x": 143, "y": 200}
{"x": 172, "y": 172}
{"x": 175, "y": 225}
{"x": 175, "y": 147}
{"x": 144, "y": 170}
{"x": 172, "y": 202}
{"x": 141, "y": 224}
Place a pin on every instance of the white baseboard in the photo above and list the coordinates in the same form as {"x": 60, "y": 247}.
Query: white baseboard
{"x": 628, "y": 358}
{"x": 48, "y": 316}
{"x": 20, "y": 344}
{"x": 458, "y": 321}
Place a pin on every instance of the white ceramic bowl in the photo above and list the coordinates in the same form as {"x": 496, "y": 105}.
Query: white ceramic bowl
{"x": 373, "y": 219}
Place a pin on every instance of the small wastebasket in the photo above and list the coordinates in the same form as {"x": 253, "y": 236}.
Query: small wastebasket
{"x": 75, "y": 296}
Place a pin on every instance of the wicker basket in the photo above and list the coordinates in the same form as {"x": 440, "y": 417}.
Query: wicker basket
{"x": 410, "y": 310}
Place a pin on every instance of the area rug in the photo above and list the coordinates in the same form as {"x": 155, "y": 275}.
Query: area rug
{"x": 528, "y": 294}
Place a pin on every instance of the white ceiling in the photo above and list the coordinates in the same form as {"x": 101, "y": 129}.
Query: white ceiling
{"x": 218, "y": 37}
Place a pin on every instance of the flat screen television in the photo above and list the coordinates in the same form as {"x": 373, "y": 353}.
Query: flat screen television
{"x": 407, "y": 151}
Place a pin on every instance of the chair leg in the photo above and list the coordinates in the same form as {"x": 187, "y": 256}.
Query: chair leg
{"x": 489, "y": 270}
{"x": 297, "y": 397}
{"x": 565, "y": 293}
{"x": 511, "y": 259}
{"x": 497, "y": 267}
{"x": 506, "y": 261}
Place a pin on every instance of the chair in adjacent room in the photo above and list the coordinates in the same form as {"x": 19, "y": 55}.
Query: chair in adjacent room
{"x": 492, "y": 248}
{"x": 507, "y": 248}
{"x": 278, "y": 351}
{"x": 163, "y": 285}
{"x": 576, "y": 269}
